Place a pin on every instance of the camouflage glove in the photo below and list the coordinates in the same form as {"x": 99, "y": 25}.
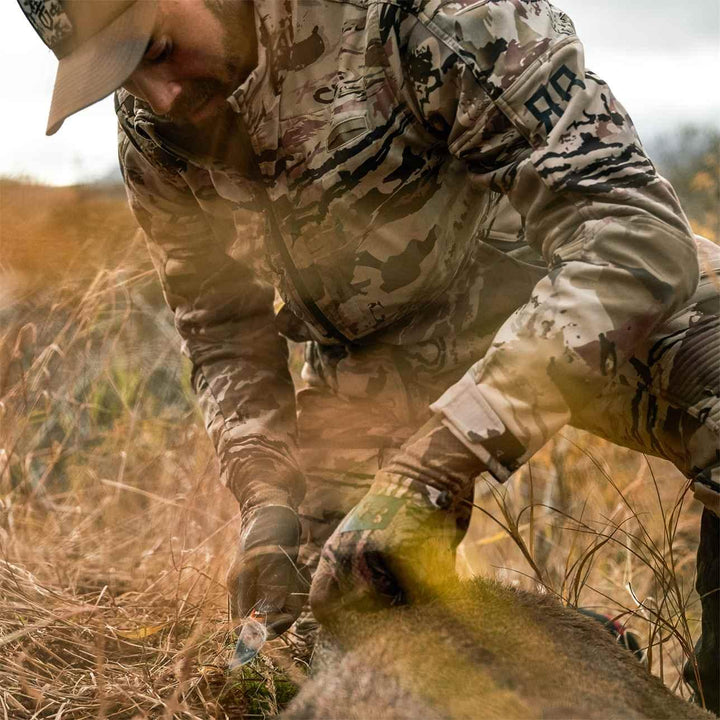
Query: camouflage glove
{"x": 264, "y": 576}
{"x": 399, "y": 542}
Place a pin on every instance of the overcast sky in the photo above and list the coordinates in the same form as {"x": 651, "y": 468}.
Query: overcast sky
{"x": 661, "y": 57}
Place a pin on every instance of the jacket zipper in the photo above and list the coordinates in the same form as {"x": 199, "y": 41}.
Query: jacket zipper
{"x": 303, "y": 294}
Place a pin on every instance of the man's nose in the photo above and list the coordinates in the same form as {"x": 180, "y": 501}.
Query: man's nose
{"x": 158, "y": 91}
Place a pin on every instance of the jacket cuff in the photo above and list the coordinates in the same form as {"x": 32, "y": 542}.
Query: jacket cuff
{"x": 472, "y": 420}
{"x": 266, "y": 482}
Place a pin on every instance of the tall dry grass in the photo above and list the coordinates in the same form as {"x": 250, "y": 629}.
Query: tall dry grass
{"x": 115, "y": 534}
{"x": 603, "y": 528}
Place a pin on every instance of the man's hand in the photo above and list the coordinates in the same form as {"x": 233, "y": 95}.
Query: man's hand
{"x": 264, "y": 576}
{"x": 399, "y": 541}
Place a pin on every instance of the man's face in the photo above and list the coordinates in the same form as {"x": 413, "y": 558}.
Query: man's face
{"x": 199, "y": 52}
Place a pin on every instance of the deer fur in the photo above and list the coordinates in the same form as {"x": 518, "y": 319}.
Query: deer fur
{"x": 481, "y": 650}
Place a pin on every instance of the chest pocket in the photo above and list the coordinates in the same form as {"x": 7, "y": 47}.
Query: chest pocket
{"x": 364, "y": 98}
{"x": 345, "y": 131}
{"x": 341, "y": 135}
{"x": 340, "y": 86}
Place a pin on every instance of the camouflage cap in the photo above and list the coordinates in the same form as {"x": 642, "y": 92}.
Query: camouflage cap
{"x": 98, "y": 43}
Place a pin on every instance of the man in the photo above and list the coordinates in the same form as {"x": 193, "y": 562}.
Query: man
{"x": 463, "y": 227}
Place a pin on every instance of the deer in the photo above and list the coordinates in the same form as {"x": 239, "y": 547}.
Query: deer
{"x": 480, "y": 650}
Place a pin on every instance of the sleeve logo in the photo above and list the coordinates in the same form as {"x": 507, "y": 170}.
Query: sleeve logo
{"x": 549, "y": 99}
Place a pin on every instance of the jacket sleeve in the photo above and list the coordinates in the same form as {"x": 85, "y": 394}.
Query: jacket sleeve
{"x": 225, "y": 318}
{"x": 503, "y": 82}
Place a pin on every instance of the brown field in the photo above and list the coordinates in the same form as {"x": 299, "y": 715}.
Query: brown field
{"x": 115, "y": 533}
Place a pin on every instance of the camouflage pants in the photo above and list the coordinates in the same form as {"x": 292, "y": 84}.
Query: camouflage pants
{"x": 360, "y": 405}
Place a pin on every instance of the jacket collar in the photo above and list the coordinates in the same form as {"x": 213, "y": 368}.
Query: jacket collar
{"x": 257, "y": 100}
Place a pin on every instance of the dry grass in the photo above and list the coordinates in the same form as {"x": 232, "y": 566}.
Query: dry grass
{"x": 603, "y": 528}
{"x": 115, "y": 534}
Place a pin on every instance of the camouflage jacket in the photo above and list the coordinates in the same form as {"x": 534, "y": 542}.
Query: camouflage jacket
{"x": 378, "y": 137}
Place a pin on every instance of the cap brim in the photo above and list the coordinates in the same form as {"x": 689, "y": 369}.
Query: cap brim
{"x": 101, "y": 64}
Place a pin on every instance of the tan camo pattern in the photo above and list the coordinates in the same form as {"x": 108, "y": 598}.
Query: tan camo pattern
{"x": 448, "y": 193}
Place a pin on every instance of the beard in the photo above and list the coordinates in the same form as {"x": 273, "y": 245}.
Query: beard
{"x": 195, "y": 94}
{"x": 217, "y": 135}
{"x": 239, "y": 59}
